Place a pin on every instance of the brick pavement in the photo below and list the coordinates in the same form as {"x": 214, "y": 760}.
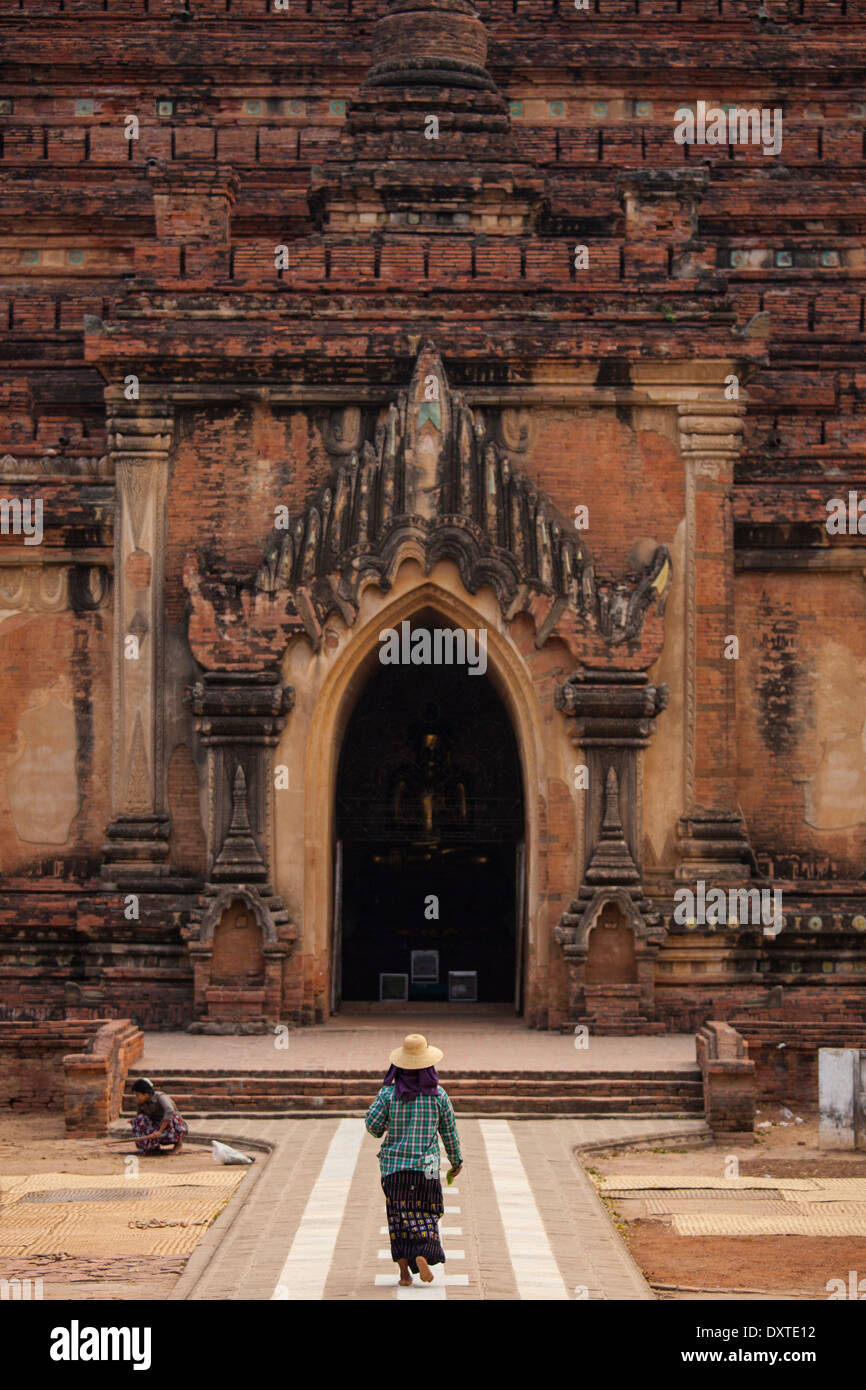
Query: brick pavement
{"x": 476, "y": 1043}
{"x": 522, "y": 1221}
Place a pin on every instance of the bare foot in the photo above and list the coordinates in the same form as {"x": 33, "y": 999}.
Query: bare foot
{"x": 405, "y": 1276}
{"x": 424, "y": 1270}
{"x": 178, "y": 1146}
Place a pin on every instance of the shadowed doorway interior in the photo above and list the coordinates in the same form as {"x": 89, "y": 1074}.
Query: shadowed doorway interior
{"x": 430, "y": 831}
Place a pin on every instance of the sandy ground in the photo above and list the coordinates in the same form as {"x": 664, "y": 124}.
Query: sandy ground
{"x": 737, "y": 1267}
{"x": 37, "y": 1143}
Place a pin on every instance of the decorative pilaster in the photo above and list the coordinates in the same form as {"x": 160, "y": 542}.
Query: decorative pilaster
{"x": 610, "y": 715}
{"x": 610, "y": 718}
{"x": 239, "y": 717}
{"x": 713, "y": 841}
{"x": 140, "y": 435}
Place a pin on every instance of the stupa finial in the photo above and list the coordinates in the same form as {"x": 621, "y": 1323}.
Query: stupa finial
{"x": 429, "y": 43}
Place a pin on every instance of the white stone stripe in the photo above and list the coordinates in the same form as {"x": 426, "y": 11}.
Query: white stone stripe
{"x": 305, "y": 1271}
{"x": 535, "y": 1269}
{"x": 434, "y": 1292}
{"x": 419, "y": 1293}
{"x": 383, "y": 1280}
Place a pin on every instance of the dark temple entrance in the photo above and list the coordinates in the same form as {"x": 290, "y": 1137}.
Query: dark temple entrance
{"x": 429, "y": 821}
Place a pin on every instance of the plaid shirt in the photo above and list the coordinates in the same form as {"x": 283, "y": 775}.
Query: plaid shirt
{"x": 413, "y": 1129}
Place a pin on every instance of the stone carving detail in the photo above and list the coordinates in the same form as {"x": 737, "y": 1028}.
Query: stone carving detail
{"x": 239, "y": 874}
{"x": 433, "y": 483}
{"x": 239, "y": 860}
{"x": 54, "y": 463}
{"x": 517, "y": 430}
{"x": 42, "y": 588}
{"x": 134, "y": 479}
{"x": 610, "y": 718}
{"x": 714, "y": 845}
{"x": 611, "y": 876}
{"x": 341, "y": 432}
{"x": 611, "y": 895}
{"x": 138, "y": 794}
{"x": 239, "y": 718}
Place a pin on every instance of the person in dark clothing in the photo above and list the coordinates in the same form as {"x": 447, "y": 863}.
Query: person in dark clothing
{"x": 157, "y": 1121}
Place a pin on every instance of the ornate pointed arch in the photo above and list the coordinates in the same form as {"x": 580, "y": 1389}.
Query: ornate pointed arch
{"x": 433, "y": 479}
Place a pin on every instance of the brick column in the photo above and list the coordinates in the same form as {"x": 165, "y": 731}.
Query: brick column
{"x": 140, "y": 434}
{"x": 712, "y": 841}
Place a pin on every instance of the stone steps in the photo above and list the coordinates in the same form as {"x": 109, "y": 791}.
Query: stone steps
{"x": 277, "y": 1084}
{"x": 523, "y": 1105}
{"x": 528, "y": 1093}
{"x": 367, "y": 1074}
{"x": 622, "y": 1027}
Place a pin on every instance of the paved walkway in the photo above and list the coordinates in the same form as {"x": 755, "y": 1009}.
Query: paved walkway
{"x": 479, "y": 1043}
{"x": 522, "y": 1221}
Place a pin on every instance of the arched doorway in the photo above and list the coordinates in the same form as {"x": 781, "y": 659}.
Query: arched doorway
{"x": 429, "y": 829}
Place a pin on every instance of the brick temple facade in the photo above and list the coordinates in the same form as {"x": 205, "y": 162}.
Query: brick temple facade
{"x": 333, "y": 318}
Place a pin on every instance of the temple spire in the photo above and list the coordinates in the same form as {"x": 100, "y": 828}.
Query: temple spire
{"x": 430, "y": 43}
{"x": 428, "y": 140}
{"x": 612, "y": 863}
{"x": 239, "y": 860}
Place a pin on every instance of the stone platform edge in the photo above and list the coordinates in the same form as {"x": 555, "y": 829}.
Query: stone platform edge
{"x": 695, "y": 1136}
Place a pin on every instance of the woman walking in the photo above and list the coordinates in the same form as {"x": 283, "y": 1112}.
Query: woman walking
{"x": 414, "y": 1110}
{"x": 157, "y": 1121}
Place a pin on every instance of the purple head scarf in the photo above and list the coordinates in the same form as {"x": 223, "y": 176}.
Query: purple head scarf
{"x": 409, "y": 1084}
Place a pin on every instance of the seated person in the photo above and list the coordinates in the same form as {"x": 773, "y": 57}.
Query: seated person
{"x": 157, "y": 1121}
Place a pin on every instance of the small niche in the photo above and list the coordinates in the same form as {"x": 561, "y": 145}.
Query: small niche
{"x": 238, "y": 948}
{"x": 611, "y": 956}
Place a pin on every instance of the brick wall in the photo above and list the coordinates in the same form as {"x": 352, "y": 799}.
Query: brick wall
{"x": 60, "y": 657}
{"x": 187, "y": 849}
{"x": 72, "y": 1065}
{"x": 785, "y": 1055}
{"x": 729, "y": 1079}
{"x": 685, "y": 1007}
{"x": 31, "y": 1062}
{"x": 95, "y": 1078}
{"x": 799, "y": 697}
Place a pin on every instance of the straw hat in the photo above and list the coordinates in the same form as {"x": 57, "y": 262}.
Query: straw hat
{"x": 415, "y": 1054}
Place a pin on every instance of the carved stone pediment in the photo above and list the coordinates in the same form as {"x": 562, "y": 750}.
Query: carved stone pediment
{"x": 430, "y": 481}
